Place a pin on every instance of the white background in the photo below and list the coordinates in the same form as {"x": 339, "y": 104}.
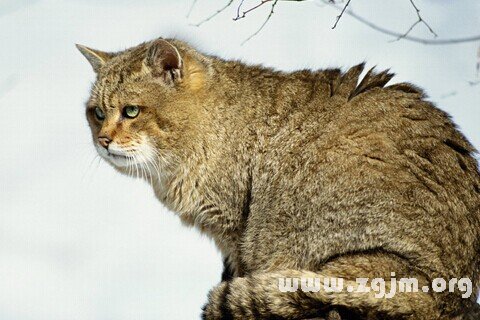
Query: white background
{"x": 79, "y": 241}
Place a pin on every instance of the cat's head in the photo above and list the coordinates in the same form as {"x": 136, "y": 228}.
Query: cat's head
{"x": 144, "y": 103}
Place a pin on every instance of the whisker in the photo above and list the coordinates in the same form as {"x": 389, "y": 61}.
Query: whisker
{"x": 153, "y": 156}
{"x": 136, "y": 166}
{"x": 89, "y": 167}
{"x": 129, "y": 166}
{"x": 151, "y": 160}
{"x": 145, "y": 170}
{"x": 140, "y": 157}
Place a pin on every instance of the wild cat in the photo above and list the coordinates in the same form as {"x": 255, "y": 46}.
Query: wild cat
{"x": 306, "y": 174}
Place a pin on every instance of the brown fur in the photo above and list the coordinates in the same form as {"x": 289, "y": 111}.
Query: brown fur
{"x": 299, "y": 174}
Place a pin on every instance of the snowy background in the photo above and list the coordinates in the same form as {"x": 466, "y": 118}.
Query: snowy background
{"x": 77, "y": 240}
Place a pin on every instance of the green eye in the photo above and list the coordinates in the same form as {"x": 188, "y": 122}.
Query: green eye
{"x": 131, "y": 111}
{"x": 99, "y": 114}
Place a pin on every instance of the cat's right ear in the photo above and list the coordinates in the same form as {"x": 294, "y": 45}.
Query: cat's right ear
{"x": 164, "y": 62}
{"x": 96, "y": 58}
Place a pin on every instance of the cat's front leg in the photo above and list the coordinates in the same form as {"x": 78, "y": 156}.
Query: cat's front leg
{"x": 227, "y": 273}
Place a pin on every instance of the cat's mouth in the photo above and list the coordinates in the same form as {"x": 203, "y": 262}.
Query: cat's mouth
{"x": 120, "y": 159}
{"x": 114, "y": 155}
{"x": 117, "y": 158}
{"x": 132, "y": 157}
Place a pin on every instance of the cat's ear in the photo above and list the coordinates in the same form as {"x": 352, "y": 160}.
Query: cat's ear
{"x": 164, "y": 61}
{"x": 96, "y": 58}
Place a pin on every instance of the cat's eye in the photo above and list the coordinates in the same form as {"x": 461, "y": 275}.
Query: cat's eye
{"x": 131, "y": 111}
{"x": 99, "y": 114}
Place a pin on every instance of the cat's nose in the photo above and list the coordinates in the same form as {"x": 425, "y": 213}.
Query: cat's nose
{"x": 104, "y": 141}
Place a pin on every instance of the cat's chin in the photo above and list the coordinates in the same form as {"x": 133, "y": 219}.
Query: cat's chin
{"x": 116, "y": 159}
{"x": 120, "y": 161}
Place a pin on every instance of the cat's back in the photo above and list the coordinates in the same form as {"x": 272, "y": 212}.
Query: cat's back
{"x": 375, "y": 167}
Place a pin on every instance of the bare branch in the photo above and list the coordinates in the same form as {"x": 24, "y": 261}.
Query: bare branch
{"x": 448, "y": 95}
{"x": 264, "y": 23}
{"x": 191, "y": 8}
{"x": 341, "y": 13}
{"x": 402, "y": 36}
{"x": 420, "y": 20}
{"x": 346, "y": 10}
{"x": 262, "y": 2}
{"x": 229, "y": 3}
{"x": 238, "y": 11}
{"x": 249, "y": 10}
{"x": 474, "y": 83}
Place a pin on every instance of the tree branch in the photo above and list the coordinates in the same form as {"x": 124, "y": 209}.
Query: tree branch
{"x": 474, "y": 83}
{"x": 341, "y": 13}
{"x": 238, "y": 12}
{"x": 238, "y": 17}
{"x": 403, "y": 36}
{"x": 262, "y": 2}
{"x": 265, "y": 22}
{"x": 191, "y": 8}
{"x": 229, "y": 3}
{"x": 345, "y": 9}
{"x": 420, "y": 20}
{"x": 448, "y": 95}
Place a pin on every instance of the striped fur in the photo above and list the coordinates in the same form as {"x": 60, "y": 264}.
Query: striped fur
{"x": 307, "y": 173}
{"x": 257, "y": 297}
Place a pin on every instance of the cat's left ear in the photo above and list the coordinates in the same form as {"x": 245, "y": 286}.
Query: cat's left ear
{"x": 96, "y": 58}
{"x": 164, "y": 61}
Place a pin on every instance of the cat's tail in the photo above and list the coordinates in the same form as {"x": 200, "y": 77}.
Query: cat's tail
{"x": 294, "y": 294}
{"x": 473, "y": 313}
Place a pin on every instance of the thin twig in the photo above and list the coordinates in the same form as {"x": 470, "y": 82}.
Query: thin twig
{"x": 238, "y": 11}
{"x": 407, "y": 37}
{"x": 229, "y": 3}
{"x": 420, "y": 20}
{"x": 448, "y": 95}
{"x": 251, "y": 9}
{"x": 346, "y": 10}
{"x": 341, "y": 13}
{"x": 191, "y": 8}
{"x": 474, "y": 83}
{"x": 262, "y": 2}
{"x": 264, "y": 23}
